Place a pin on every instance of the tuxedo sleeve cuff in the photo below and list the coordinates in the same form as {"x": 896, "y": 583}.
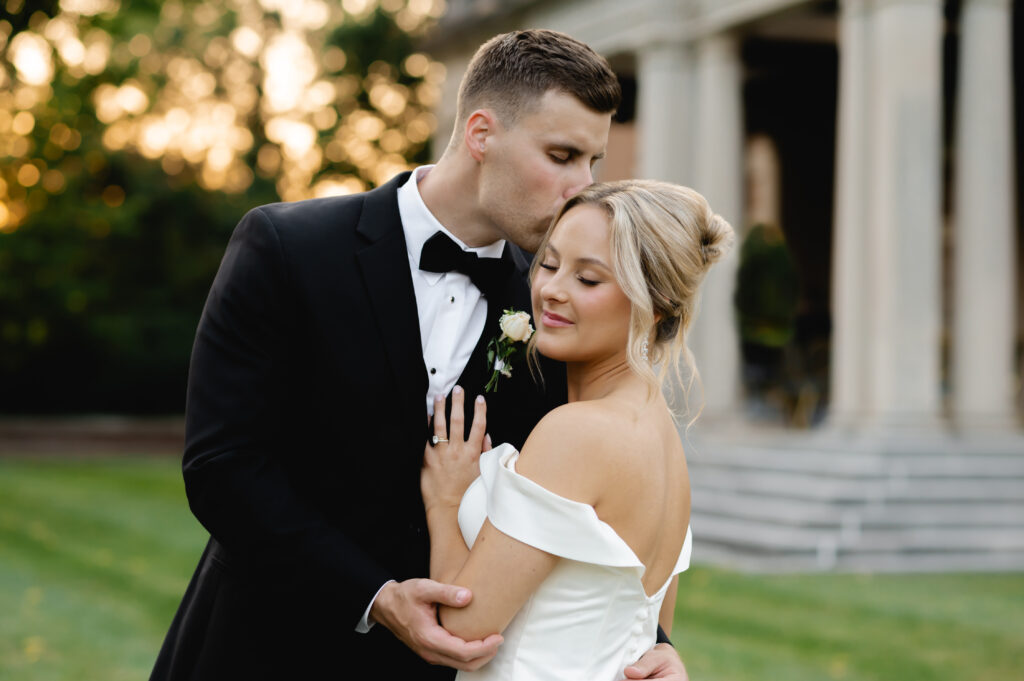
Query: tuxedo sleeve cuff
{"x": 662, "y": 636}
{"x": 365, "y": 624}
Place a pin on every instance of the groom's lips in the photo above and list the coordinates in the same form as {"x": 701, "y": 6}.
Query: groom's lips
{"x": 551, "y": 319}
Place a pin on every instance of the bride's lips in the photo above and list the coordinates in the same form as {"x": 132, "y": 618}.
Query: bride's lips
{"x": 551, "y": 319}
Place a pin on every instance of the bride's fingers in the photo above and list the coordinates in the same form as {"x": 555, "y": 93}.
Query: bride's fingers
{"x": 479, "y": 427}
{"x": 458, "y": 414}
{"x": 440, "y": 426}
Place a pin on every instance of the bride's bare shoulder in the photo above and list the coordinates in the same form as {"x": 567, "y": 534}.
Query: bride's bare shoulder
{"x": 574, "y": 449}
{"x": 576, "y": 425}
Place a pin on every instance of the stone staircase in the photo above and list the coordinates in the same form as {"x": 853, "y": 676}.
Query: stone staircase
{"x": 780, "y": 501}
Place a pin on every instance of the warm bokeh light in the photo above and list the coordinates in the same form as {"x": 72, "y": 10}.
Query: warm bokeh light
{"x": 113, "y": 196}
{"x": 89, "y": 7}
{"x": 23, "y": 123}
{"x": 28, "y": 175}
{"x": 242, "y": 74}
{"x": 53, "y": 181}
{"x": 32, "y": 56}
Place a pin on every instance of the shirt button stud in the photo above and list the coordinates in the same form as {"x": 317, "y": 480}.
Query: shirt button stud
{"x": 433, "y": 371}
{"x": 452, "y": 299}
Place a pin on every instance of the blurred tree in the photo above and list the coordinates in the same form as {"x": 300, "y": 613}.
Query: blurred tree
{"x": 767, "y": 295}
{"x": 767, "y": 288}
{"x": 133, "y": 137}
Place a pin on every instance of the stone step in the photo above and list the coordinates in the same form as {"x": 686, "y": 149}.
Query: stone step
{"x": 818, "y": 513}
{"x": 847, "y": 464}
{"x": 787, "y": 538}
{"x": 862, "y": 490}
{"x": 816, "y": 501}
{"x": 914, "y": 540}
{"x": 897, "y": 561}
{"x": 757, "y": 536}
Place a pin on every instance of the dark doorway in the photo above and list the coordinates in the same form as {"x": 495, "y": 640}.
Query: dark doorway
{"x": 790, "y": 97}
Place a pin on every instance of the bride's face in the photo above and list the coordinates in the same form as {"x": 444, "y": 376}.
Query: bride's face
{"x": 581, "y": 313}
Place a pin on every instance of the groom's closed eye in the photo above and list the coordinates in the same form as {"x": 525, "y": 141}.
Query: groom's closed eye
{"x": 570, "y": 154}
{"x": 567, "y": 154}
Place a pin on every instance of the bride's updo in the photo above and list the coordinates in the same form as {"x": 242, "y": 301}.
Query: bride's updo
{"x": 664, "y": 237}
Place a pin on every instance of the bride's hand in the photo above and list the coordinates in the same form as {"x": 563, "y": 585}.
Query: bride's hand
{"x": 453, "y": 463}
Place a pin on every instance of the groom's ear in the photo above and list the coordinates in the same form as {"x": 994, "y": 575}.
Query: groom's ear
{"x": 480, "y": 125}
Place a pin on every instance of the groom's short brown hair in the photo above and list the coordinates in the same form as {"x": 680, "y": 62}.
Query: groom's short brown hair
{"x": 512, "y": 71}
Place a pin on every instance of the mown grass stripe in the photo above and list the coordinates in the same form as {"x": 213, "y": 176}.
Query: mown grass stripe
{"x": 796, "y": 623}
{"x": 79, "y": 521}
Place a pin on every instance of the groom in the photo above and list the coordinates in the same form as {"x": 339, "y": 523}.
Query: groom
{"x": 329, "y": 329}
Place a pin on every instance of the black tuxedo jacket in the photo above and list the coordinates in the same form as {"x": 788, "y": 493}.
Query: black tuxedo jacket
{"x": 305, "y": 428}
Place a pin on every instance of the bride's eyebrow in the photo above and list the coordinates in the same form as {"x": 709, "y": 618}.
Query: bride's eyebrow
{"x": 593, "y": 261}
{"x": 586, "y": 260}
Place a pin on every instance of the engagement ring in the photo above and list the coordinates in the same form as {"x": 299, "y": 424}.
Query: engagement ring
{"x": 434, "y": 440}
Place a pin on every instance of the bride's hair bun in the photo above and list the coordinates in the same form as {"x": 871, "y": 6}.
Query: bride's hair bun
{"x": 716, "y": 238}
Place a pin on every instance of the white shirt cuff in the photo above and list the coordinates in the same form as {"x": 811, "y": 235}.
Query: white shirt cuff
{"x": 365, "y": 624}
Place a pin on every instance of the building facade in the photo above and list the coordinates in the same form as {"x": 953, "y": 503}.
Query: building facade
{"x": 880, "y": 139}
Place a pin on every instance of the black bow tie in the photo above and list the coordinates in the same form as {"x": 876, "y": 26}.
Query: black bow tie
{"x": 441, "y": 254}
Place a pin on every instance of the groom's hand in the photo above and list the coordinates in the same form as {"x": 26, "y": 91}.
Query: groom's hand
{"x": 409, "y": 610}
{"x": 660, "y": 662}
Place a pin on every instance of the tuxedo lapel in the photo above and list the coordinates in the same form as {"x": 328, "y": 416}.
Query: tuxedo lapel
{"x": 384, "y": 263}
{"x": 477, "y": 371}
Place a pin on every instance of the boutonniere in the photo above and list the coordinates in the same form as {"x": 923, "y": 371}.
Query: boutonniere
{"x": 515, "y": 328}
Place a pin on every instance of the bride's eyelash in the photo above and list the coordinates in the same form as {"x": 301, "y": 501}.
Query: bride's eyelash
{"x": 582, "y": 280}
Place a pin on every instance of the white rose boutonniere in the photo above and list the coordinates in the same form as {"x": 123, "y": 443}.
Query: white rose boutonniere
{"x": 515, "y": 328}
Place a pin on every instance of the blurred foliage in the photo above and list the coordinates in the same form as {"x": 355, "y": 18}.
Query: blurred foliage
{"x": 133, "y": 136}
{"x": 767, "y": 288}
{"x": 784, "y": 341}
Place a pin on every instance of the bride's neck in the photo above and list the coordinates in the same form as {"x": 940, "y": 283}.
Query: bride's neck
{"x": 596, "y": 380}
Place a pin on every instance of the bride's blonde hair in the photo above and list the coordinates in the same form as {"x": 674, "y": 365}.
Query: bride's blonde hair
{"x": 664, "y": 237}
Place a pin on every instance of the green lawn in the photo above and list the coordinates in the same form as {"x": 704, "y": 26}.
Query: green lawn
{"x": 94, "y": 555}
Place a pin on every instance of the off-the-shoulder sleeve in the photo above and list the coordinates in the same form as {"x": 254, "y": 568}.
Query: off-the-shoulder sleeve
{"x": 683, "y": 564}
{"x": 528, "y": 512}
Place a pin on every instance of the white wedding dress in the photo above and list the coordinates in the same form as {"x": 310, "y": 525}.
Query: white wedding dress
{"x": 590, "y": 618}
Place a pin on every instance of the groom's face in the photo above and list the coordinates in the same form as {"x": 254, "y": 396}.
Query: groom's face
{"x": 532, "y": 167}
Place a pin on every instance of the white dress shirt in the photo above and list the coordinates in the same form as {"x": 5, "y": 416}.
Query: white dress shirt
{"x": 451, "y": 309}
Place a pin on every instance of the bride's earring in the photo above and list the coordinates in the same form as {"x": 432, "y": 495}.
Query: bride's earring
{"x": 643, "y": 351}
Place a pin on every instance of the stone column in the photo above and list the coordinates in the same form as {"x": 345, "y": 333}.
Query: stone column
{"x": 984, "y": 277}
{"x": 718, "y": 175}
{"x": 847, "y": 401}
{"x": 762, "y": 174}
{"x": 664, "y": 112}
{"x": 904, "y": 224}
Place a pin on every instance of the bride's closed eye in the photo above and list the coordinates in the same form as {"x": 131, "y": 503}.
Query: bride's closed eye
{"x": 583, "y": 280}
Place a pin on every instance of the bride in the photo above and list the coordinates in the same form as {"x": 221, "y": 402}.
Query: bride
{"x": 571, "y": 547}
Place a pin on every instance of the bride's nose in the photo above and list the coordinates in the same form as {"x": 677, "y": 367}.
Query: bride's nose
{"x": 552, "y": 289}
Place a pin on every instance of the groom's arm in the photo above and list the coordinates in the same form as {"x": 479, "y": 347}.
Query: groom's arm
{"x": 240, "y": 380}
